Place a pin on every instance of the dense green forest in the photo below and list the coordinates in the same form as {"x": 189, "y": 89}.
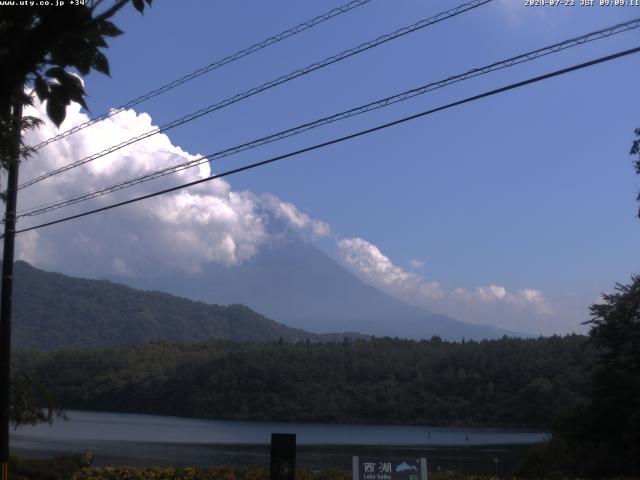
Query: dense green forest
{"x": 508, "y": 382}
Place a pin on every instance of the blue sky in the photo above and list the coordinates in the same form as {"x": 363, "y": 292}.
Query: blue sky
{"x": 532, "y": 189}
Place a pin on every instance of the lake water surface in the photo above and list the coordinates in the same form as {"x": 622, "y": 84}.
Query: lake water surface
{"x": 118, "y": 438}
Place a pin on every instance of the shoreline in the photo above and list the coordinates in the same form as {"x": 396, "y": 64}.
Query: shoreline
{"x": 239, "y": 421}
{"x": 466, "y": 459}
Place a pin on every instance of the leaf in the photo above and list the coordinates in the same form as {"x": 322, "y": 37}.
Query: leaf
{"x": 56, "y": 72}
{"x": 98, "y": 41}
{"x": 100, "y": 62}
{"x": 74, "y": 88}
{"x": 139, "y": 5}
{"x": 108, "y": 29}
{"x": 60, "y": 94}
{"x": 83, "y": 60}
{"x": 41, "y": 87}
{"x": 57, "y": 103}
{"x": 56, "y": 111}
{"x": 78, "y": 97}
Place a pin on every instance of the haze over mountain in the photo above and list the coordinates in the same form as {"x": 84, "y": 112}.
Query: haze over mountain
{"x": 295, "y": 283}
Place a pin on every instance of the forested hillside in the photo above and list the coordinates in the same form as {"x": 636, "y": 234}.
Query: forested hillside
{"x": 508, "y": 382}
{"x": 52, "y": 311}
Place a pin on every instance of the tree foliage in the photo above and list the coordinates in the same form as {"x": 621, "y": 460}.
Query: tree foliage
{"x": 47, "y": 48}
{"x": 31, "y": 403}
{"x": 613, "y": 426}
{"x": 508, "y": 382}
{"x": 635, "y": 150}
{"x": 601, "y": 438}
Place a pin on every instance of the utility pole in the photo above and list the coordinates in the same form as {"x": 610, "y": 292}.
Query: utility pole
{"x": 7, "y": 287}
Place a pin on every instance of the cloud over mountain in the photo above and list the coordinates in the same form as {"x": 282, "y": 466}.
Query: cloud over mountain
{"x": 183, "y": 230}
{"x": 210, "y": 223}
{"x": 526, "y": 309}
{"x": 374, "y": 268}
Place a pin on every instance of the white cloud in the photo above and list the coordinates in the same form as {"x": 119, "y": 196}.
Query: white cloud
{"x": 374, "y": 268}
{"x": 292, "y": 215}
{"x": 525, "y": 310}
{"x": 209, "y": 222}
{"x": 416, "y": 264}
{"x": 491, "y": 293}
{"x": 533, "y": 297}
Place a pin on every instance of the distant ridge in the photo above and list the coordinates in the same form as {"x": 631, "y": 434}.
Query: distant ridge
{"x": 296, "y": 283}
{"x": 52, "y": 310}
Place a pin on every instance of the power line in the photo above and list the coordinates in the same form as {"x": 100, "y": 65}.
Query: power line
{"x": 265, "y": 86}
{"x": 346, "y": 137}
{"x": 529, "y": 56}
{"x": 212, "y": 66}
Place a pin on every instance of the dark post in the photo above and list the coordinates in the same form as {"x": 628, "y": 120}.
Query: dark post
{"x": 7, "y": 289}
{"x": 283, "y": 456}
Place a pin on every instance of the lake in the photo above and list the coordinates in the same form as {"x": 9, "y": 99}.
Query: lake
{"x": 133, "y": 439}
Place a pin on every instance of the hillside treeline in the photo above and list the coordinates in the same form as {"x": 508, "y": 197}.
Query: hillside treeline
{"x": 508, "y": 382}
{"x": 53, "y": 311}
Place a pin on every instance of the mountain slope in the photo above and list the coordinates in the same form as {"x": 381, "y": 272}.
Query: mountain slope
{"x": 52, "y": 310}
{"x": 296, "y": 283}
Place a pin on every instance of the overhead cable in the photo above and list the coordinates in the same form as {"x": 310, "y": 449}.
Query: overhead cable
{"x": 344, "y": 138}
{"x": 208, "y": 68}
{"x": 524, "y": 57}
{"x": 265, "y": 86}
